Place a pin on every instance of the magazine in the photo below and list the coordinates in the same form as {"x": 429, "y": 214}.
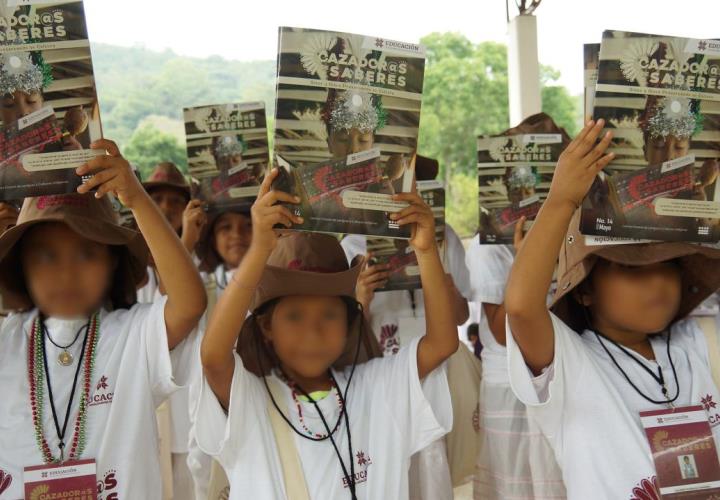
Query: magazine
{"x": 396, "y": 253}
{"x": 50, "y": 112}
{"x": 228, "y": 153}
{"x": 591, "y": 58}
{"x": 347, "y": 107}
{"x": 657, "y": 94}
{"x": 514, "y": 175}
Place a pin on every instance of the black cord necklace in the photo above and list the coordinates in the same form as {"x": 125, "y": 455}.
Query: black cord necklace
{"x": 349, "y": 477}
{"x": 659, "y": 377}
{"x": 64, "y": 358}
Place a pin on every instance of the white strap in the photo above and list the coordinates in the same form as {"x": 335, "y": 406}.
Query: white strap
{"x": 293, "y": 475}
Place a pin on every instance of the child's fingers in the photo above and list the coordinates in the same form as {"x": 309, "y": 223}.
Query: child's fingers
{"x": 574, "y": 143}
{"x": 273, "y": 197}
{"x": 267, "y": 183}
{"x": 280, "y": 209}
{"x": 104, "y": 189}
{"x": 412, "y": 198}
{"x": 599, "y": 149}
{"x": 416, "y": 218}
{"x": 588, "y": 142}
{"x": 412, "y": 209}
{"x": 108, "y": 145}
{"x": 602, "y": 163}
{"x": 96, "y": 180}
{"x": 279, "y": 218}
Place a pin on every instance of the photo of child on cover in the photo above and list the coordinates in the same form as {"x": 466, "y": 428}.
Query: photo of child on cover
{"x": 47, "y": 107}
{"x": 655, "y": 94}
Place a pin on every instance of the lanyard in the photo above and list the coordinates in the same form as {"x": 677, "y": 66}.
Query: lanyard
{"x": 659, "y": 378}
{"x": 61, "y": 432}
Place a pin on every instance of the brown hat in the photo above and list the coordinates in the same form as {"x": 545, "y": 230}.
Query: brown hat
{"x": 426, "y": 169}
{"x": 539, "y": 123}
{"x": 305, "y": 264}
{"x": 167, "y": 175}
{"x": 89, "y": 217}
{"x": 700, "y": 266}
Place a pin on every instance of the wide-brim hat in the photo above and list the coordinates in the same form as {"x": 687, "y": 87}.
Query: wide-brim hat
{"x": 86, "y": 215}
{"x": 167, "y": 175}
{"x": 305, "y": 264}
{"x": 700, "y": 269}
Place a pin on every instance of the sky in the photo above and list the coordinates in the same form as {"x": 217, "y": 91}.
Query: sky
{"x": 243, "y": 30}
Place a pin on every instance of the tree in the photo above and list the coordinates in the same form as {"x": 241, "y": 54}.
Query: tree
{"x": 149, "y": 146}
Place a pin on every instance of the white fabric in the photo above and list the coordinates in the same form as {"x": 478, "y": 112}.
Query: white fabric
{"x": 392, "y": 415}
{"x": 515, "y": 459}
{"x": 132, "y": 376}
{"x": 590, "y": 413}
{"x": 150, "y": 292}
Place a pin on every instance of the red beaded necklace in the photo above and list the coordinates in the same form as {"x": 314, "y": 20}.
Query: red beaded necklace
{"x": 292, "y": 385}
{"x": 36, "y": 373}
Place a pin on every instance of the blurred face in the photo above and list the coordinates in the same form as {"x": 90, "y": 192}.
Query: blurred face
{"x": 66, "y": 274}
{"x": 308, "y": 333}
{"x": 232, "y": 234}
{"x": 171, "y": 203}
{"x": 345, "y": 142}
{"x": 641, "y": 299}
{"x": 19, "y": 104}
{"x": 659, "y": 150}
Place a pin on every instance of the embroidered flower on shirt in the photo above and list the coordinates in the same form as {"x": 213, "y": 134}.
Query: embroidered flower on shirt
{"x": 5, "y": 481}
{"x": 708, "y": 402}
{"x": 102, "y": 384}
{"x": 363, "y": 458}
{"x": 646, "y": 490}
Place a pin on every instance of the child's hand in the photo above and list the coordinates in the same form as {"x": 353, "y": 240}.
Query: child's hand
{"x": 370, "y": 279}
{"x": 420, "y": 215}
{"x": 113, "y": 174}
{"x": 266, "y": 213}
{"x": 194, "y": 220}
{"x": 579, "y": 164}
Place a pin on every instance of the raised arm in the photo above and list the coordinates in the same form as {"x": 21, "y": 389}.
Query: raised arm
{"x": 532, "y": 271}
{"x": 231, "y": 309}
{"x": 441, "y": 338}
{"x": 186, "y": 294}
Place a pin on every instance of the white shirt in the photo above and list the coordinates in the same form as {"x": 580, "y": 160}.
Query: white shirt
{"x": 392, "y": 415}
{"x": 394, "y": 319}
{"x": 150, "y": 292}
{"x": 590, "y": 413}
{"x": 489, "y": 267}
{"x": 132, "y": 376}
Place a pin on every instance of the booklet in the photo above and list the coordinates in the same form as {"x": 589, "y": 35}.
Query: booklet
{"x": 404, "y": 271}
{"x": 515, "y": 170}
{"x": 657, "y": 95}
{"x": 228, "y": 154}
{"x": 50, "y": 111}
{"x": 591, "y": 58}
{"x": 346, "y": 125}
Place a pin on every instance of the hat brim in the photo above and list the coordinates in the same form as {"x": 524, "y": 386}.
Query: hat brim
{"x": 149, "y": 186}
{"x": 90, "y": 228}
{"x": 700, "y": 272}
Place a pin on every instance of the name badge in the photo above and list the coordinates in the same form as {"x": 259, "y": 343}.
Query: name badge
{"x": 683, "y": 449}
{"x": 68, "y": 481}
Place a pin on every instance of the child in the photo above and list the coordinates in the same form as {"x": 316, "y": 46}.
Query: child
{"x": 615, "y": 343}
{"x": 78, "y": 271}
{"x": 170, "y": 191}
{"x": 296, "y": 384}
{"x": 515, "y": 460}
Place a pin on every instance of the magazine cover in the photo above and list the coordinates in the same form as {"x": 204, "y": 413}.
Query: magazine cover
{"x": 228, "y": 154}
{"x": 591, "y": 58}
{"x": 397, "y": 253}
{"x": 659, "y": 96}
{"x": 347, "y": 116}
{"x": 515, "y": 170}
{"x": 50, "y": 111}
